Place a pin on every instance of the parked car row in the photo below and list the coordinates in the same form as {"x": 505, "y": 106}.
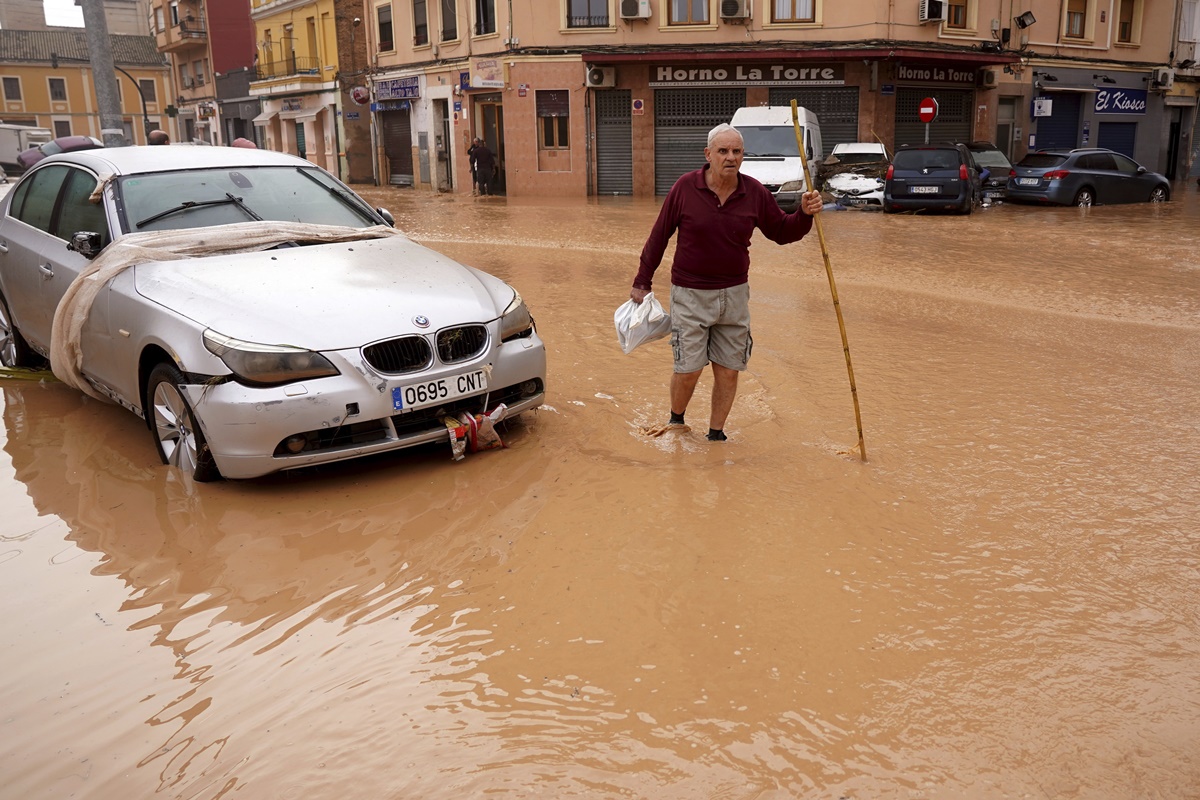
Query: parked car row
{"x": 958, "y": 177}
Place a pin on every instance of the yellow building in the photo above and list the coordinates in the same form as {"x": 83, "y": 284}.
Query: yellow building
{"x": 63, "y": 98}
{"x": 296, "y": 78}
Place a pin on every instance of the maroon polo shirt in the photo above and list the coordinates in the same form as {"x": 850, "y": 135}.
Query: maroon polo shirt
{"x": 713, "y": 248}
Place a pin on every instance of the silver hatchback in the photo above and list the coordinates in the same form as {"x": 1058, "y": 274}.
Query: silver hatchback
{"x": 1084, "y": 177}
{"x": 268, "y": 318}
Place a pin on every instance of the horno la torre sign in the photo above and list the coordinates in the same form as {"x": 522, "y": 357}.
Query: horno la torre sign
{"x": 749, "y": 75}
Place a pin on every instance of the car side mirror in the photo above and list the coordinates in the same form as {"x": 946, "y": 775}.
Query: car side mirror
{"x": 809, "y": 152}
{"x": 387, "y": 216}
{"x": 86, "y": 243}
{"x": 1141, "y": 170}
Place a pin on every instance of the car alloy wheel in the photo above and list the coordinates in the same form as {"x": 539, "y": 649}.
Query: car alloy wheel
{"x": 1159, "y": 195}
{"x": 1084, "y": 198}
{"x": 14, "y": 352}
{"x": 177, "y": 435}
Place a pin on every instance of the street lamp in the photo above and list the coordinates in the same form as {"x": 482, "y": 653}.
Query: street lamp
{"x": 55, "y": 58}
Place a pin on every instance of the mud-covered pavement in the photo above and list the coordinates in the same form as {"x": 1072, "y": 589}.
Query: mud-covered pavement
{"x": 1000, "y": 603}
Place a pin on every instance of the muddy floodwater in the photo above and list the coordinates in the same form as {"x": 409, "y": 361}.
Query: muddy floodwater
{"x": 1000, "y": 603}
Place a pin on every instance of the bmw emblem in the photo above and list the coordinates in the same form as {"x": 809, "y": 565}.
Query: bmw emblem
{"x": 421, "y": 321}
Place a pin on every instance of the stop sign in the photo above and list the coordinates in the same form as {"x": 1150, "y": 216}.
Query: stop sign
{"x": 927, "y": 111}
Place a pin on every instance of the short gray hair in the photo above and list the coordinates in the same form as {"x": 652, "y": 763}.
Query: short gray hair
{"x": 724, "y": 127}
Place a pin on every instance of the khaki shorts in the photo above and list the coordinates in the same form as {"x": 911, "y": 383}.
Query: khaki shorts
{"x": 710, "y": 325}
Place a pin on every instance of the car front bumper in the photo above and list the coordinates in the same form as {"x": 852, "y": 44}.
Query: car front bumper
{"x": 351, "y": 414}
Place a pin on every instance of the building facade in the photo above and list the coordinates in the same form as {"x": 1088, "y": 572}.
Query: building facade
{"x": 587, "y": 97}
{"x": 46, "y": 81}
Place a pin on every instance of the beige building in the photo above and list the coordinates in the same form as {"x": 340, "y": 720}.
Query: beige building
{"x": 585, "y": 97}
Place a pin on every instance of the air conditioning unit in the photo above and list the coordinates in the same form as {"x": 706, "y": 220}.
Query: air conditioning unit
{"x": 931, "y": 10}
{"x": 735, "y": 9}
{"x": 1164, "y": 77}
{"x": 601, "y": 77}
{"x": 988, "y": 79}
{"x": 635, "y": 9}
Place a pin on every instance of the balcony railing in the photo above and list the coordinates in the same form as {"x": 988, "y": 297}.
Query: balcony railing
{"x": 588, "y": 22}
{"x": 293, "y": 65}
{"x": 193, "y": 28}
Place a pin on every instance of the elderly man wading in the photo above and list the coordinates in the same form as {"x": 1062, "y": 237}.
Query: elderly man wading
{"x": 715, "y": 210}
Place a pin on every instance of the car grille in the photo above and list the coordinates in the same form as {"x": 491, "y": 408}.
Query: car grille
{"x": 406, "y": 354}
{"x": 461, "y": 344}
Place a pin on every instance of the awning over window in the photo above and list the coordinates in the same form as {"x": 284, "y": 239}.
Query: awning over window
{"x": 262, "y": 119}
{"x": 300, "y": 114}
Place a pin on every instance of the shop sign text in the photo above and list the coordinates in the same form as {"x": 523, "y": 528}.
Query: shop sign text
{"x": 1121, "y": 101}
{"x": 742, "y": 74}
{"x": 931, "y": 74}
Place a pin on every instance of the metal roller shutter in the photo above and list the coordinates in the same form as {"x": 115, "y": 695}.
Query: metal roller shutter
{"x": 614, "y": 141}
{"x": 836, "y": 110}
{"x": 397, "y": 145}
{"x": 954, "y": 116}
{"x": 1061, "y": 129}
{"x": 682, "y": 120}
{"x": 1118, "y": 136}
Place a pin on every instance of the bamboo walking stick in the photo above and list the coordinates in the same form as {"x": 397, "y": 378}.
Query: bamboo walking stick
{"x": 837, "y": 307}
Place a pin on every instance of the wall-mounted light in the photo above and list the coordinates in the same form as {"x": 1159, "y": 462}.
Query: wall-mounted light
{"x": 1046, "y": 76}
{"x": 1025, "y": 20}
{"x": 1103, "y": 78}
{"x": 1187, "y": 63}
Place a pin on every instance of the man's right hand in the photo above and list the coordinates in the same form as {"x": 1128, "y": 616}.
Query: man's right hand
{"x": 638, "y": 295}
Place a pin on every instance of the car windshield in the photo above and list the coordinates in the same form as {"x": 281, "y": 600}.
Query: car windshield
{"x": 199, "y": 198}
{"x": 769, "y": 140}
{"x": 992, "y": 159}
{"x": 1041, "y": 160}
{"x": 927, "y": 159}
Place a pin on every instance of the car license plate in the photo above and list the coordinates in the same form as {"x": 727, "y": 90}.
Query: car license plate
{"x": 854, "y": 201}
{"x": 429, "y": 393}
{"x": 1027, "y": 181}
{"x": 993, "y": 193}
{"x": 924, "y": 190}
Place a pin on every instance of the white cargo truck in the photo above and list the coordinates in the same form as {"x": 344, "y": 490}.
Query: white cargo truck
{"x": 15, "y": 139}
{"x": 772, "y": 156}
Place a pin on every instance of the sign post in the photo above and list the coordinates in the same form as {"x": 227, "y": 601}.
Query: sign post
{"x": 927, "y": 112}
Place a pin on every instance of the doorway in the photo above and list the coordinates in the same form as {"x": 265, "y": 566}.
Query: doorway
{"x": 489, "y": 126}
{"x": 1006, "y": 126}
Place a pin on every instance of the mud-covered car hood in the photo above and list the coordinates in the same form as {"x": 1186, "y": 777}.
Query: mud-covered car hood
{"x": 327, "y": 296}
{"x": 852, "y": 184}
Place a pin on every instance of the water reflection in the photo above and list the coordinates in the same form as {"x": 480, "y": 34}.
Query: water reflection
{"x": 997, "y": 604}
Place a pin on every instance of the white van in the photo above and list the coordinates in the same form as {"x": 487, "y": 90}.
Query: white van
{"x": 771, "y": 153}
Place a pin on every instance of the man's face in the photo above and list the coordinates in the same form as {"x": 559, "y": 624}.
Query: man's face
{"x": 725, "y": 153}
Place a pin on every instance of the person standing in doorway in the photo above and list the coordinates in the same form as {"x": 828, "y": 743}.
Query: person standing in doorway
{"x": 714, "y": 210}
{"x": 474, "y": 168}
{"x": 485, "y": 167}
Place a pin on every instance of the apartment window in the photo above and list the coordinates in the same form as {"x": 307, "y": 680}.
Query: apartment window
{"x": 174, "y": 14}
{"x": 198, "y": 68}
{"x": 956, "y": 14}
{"x": 383, "y": 18}
{"x": 792, "y": 11}
{"x": 554, "y": 119}
{"x": 420, "y": 23}
{"x": 62, "y": 127}
{"x": 185, "y": 77}
{"x": 1125, "y": 18}
{"x": 449, "y": 20}
{"x": 12, "y": 88}
{"x": 587, "y": 14}
{"x": 1189, "y": 22}
{"x": 149, "y": 90}
{"x": 689, "y": 12}
{"x": 58, "y": 89}
{"x": 485, "y": 17}
{"x": 1076, "y": 18}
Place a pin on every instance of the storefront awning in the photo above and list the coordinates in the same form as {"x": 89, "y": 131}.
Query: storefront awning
{"x": 1081, "y": 89}
{"x": 300, "y": 114}
{"x": 262, "y": 119}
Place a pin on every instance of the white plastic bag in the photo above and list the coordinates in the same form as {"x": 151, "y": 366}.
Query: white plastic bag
{"x": 638, "y": 323}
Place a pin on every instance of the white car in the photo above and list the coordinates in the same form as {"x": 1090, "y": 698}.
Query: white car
{"x": 301, "y": 329}
{"x": 854, "y": 173}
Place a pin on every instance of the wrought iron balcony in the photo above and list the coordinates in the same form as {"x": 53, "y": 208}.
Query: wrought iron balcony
{"x": 292, "y": 65}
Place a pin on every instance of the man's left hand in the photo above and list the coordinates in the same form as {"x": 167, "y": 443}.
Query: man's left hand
{"x": 812, "y": 203}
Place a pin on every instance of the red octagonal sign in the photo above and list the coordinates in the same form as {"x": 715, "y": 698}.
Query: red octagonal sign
{"x": 927, "y": 111}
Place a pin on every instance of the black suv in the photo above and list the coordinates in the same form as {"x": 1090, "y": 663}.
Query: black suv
{"x": 931, "y": 177}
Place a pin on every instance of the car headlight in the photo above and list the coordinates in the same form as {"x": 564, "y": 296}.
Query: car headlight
{"x": 792, "y": 186}
{"x": 515, "y": 322}
{"x": 267, "y": 364}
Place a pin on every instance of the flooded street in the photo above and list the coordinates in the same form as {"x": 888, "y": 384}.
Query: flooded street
{"x": 1000, "y": 603}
